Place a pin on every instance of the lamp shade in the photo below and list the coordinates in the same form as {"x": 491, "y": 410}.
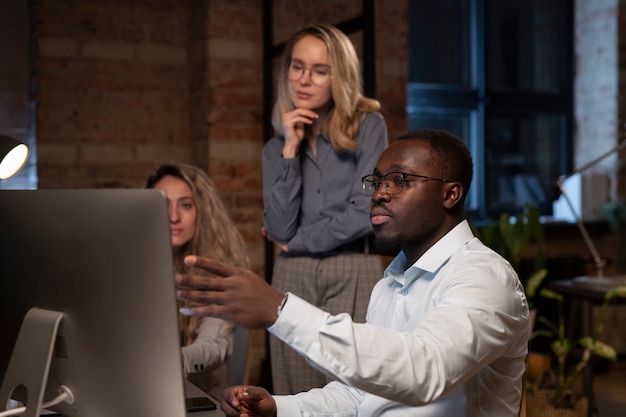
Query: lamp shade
{"x": 13, "y": 156}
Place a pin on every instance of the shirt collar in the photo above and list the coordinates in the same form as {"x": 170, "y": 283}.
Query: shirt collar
{"x": 433, "y": 258}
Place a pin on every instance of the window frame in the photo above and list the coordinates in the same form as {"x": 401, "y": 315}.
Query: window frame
{"x": 481, "y": 105}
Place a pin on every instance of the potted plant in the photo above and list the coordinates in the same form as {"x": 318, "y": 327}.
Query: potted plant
{"x": 568, "y": 369}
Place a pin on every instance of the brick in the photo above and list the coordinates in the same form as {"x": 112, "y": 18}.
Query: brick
{"x": 58, "y": 47}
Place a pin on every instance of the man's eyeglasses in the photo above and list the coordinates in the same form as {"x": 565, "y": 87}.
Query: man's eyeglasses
{"x": 320, "y": 74}
{"x": 392, "y": 182}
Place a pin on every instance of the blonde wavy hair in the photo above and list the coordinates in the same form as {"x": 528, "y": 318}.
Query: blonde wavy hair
{"x": 349, "y": 105}
{"x": 215, "y": 234}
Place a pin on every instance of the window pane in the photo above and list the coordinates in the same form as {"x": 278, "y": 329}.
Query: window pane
{"x": 522, "y": 156}
{"x": 457, "y": 124}
{"x": 498, "y": 74}
{"x": 527, "y": 41}
{"x": 439, "y": 41}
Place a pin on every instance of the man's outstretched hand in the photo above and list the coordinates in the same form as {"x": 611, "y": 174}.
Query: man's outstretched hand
{"x": 248, "y": 401}
{"x": 230, "y": 293}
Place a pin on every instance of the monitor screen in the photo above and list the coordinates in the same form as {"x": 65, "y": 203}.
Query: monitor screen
{"x": 92, "y": 269}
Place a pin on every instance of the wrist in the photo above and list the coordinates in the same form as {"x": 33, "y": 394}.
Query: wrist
{"x": 280, "y": 307}
{"x": 289, "y": 151}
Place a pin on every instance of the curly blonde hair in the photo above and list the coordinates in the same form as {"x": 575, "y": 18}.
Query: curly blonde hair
{"x": 215, "y": 234}
{"x": 348, "y": 106}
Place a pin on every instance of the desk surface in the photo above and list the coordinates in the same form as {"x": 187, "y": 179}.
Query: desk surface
{"x": 212, "y": 413}
{"x": 190, "y": 391}
{"x": 588, "y": 287}
{"x": 193, "y": 391}
{"x": 588, "y": 291}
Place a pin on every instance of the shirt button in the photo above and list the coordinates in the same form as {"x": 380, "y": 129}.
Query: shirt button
{"x": 404, "y": 292}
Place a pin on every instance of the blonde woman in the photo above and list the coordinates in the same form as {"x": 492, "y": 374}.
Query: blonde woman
{"x": 199, "y": 224}
{"x": 328, "y": 136}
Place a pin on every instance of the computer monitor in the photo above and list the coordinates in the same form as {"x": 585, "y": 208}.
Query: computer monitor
{"x": 92, "y": 269}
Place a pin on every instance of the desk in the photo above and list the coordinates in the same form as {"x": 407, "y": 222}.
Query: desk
{"x": 587, "y": 292}
{"x": 191, "y": 391}
{"x": 212, "y": 413}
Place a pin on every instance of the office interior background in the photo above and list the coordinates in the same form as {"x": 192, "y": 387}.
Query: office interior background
{"x": 105, "y": 90}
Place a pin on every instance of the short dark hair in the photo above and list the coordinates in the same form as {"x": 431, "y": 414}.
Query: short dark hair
{"x": 455, "y": 159}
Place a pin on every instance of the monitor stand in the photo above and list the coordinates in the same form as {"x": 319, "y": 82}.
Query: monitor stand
{"x": 30, "y": 360}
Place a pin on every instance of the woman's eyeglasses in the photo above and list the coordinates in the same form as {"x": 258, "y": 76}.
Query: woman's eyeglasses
{"x": 320, "y": 74}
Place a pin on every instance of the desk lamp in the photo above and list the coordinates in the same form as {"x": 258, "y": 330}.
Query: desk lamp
{"x": 599, "y": 261}
{"x": 13, "y": 156}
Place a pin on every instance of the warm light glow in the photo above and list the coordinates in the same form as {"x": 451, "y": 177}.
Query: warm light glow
{"x": 13, "y": 161}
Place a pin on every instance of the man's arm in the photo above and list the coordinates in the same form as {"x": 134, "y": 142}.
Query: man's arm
{"x": 473, "y": 325}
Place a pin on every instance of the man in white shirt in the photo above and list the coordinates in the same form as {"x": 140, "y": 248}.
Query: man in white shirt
{"x": 446, "y": 332}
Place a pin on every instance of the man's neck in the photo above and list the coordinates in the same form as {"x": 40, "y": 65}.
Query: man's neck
{"x": 414, "y": 251}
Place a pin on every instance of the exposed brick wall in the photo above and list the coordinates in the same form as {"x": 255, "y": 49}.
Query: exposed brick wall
{"x": 392, "y": 62}
{"x": 596, "y": 94}
{"x": 233, "y": 97}
{"x": 113, "y": 82}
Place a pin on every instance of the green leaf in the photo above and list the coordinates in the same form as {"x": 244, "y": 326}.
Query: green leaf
{"x": 615, "y": 292}
{"x": 534, "y": 281}
{"x": 562, "y": 347}
{"x": 599, "y": 348}
{"x": 548, "y": 293}
{"x": 553, "y": 329}
{"x": 542, "y": 333}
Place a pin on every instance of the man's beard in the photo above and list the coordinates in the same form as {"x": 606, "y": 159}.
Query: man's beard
{"x": 388, "y": 246}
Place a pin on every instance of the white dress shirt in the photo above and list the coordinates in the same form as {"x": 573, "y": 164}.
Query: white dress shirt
{"x": 446, "y": 336}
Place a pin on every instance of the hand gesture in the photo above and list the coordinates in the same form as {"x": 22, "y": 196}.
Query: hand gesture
{"x": 294, "y": 123}
{"x": 230, "y": 293}
{"x": 281, "y": 246}
{"x": 248, "y": 401}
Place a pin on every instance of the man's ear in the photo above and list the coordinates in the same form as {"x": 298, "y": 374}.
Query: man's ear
{"x": 453, "y": 194}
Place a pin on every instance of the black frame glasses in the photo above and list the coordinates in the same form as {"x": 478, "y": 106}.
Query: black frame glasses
{"x": 394, "y": 185}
